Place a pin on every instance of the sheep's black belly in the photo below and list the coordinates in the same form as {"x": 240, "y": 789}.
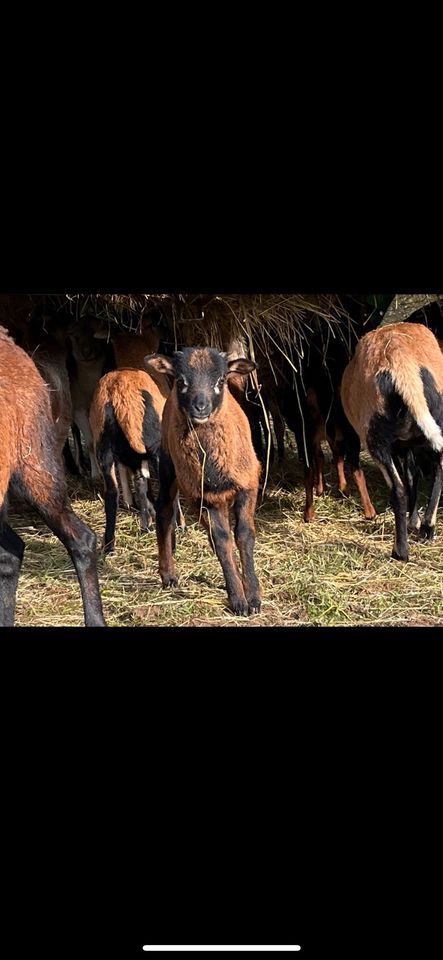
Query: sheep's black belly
{"x": 214, "y": 481}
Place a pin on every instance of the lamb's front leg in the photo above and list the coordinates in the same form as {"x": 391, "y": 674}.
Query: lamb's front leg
{"x": 244, "y": 532}
{"x": 216, "y": 521}
{"x": 165, "y": 521}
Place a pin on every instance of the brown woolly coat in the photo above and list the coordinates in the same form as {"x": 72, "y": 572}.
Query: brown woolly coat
{"x": 123, "y": 389}
{"x": 226, "y": 441}
{"x": 27, "y": 436}
{"x": 400, "y": 349}
{"x": 130, "y": 349}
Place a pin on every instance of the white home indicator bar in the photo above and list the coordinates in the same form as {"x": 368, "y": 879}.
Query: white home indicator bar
{"x": 190, "y": 949}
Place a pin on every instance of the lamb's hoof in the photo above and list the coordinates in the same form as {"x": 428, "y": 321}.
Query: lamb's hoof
{"x": 254, "y": 605}
{"x": 169, "y": 581}
{"x": 371, "y": 516}
{"x": 108, "y": 548}
{"x": 397, "y": 556}
{"x": 147, "y": 528}
{"x": 240, "y": 608}
{"x": 426, "y": 532}
{"x": 309, "y": 516}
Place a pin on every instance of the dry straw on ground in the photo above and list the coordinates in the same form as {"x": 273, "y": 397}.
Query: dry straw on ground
{"x": 336, "y": 571}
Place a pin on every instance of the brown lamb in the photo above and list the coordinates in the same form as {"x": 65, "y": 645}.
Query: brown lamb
{"x": 207, "y": 454}
{"x": 125, "y": 416}
{"x": 130, "y": 349}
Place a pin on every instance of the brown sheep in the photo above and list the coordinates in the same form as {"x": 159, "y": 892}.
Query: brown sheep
{"x": 207, "y": 454}
{"x": 130, "y": 349}
{"x": 392, "y": 394}
{"x": 31, "y": 467}
{"x": 125, "y": 416}
{"x": 36, "y": 333}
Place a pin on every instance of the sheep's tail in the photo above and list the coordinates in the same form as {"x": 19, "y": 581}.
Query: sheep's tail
{"x": 409, "y": 384}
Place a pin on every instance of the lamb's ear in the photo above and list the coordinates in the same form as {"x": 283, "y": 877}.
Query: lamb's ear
{"x": 241, "y": 365}
{"x": 156, "y": 363}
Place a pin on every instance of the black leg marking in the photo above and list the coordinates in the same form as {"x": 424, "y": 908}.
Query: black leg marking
{"x": 164, "y": 520}
{"x": 105, "y": 459}
{"x": 12, "y": 549}
{"x": 427, "y": 529}
{"x": 244, "y": 532}
{"x": 216, "y": 522}
{"x": 81, "y": 543}
{"x": 411, "y": 479}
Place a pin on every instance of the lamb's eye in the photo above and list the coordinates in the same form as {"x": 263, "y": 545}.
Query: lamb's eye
{"x": 181, "y": 384}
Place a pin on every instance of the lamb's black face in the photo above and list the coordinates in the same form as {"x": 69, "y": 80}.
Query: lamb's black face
{"x": 200, "y": 378}
{"x": 200, "y": 375}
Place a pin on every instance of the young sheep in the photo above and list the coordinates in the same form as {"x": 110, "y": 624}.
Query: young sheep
{"x": 392, "y": 394}
{"x": 125, "y": 418}
{"x": 130, "y": 349}
{"x": 31, "y": 467}
{"x": 207, "y": 454}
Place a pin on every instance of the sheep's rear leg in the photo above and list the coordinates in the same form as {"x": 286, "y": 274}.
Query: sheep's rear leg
{"x": 352, "y": 445}
{"x": 411, "y": 477}
{"x": 123, "y": 473}
{"x": 319, "y": 470}
{"x": 81, "y": 419}
{"x": 107, "y": 465}
{"x": 427, "y": 529}
{"x": 52, "y": 503}
{"x": 80, "y": 542}
{"x": 69, "y": 460}
{"x": 12, "y": 549}
{"x": 79, "y": 456}
{"x": 147, "y": 512}
{"x": 165, "y": 521}
{"x": 179, "y": 515}
{"x": 309, "y": 478}
{"x": 399, "y": 502}
{"x": 244, "y": 532}
{"x": 304, "y": 436}
{"x": 216, "y": 521}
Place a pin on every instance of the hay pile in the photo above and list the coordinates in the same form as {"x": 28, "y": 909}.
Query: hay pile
{"x": 217, "y": 320}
